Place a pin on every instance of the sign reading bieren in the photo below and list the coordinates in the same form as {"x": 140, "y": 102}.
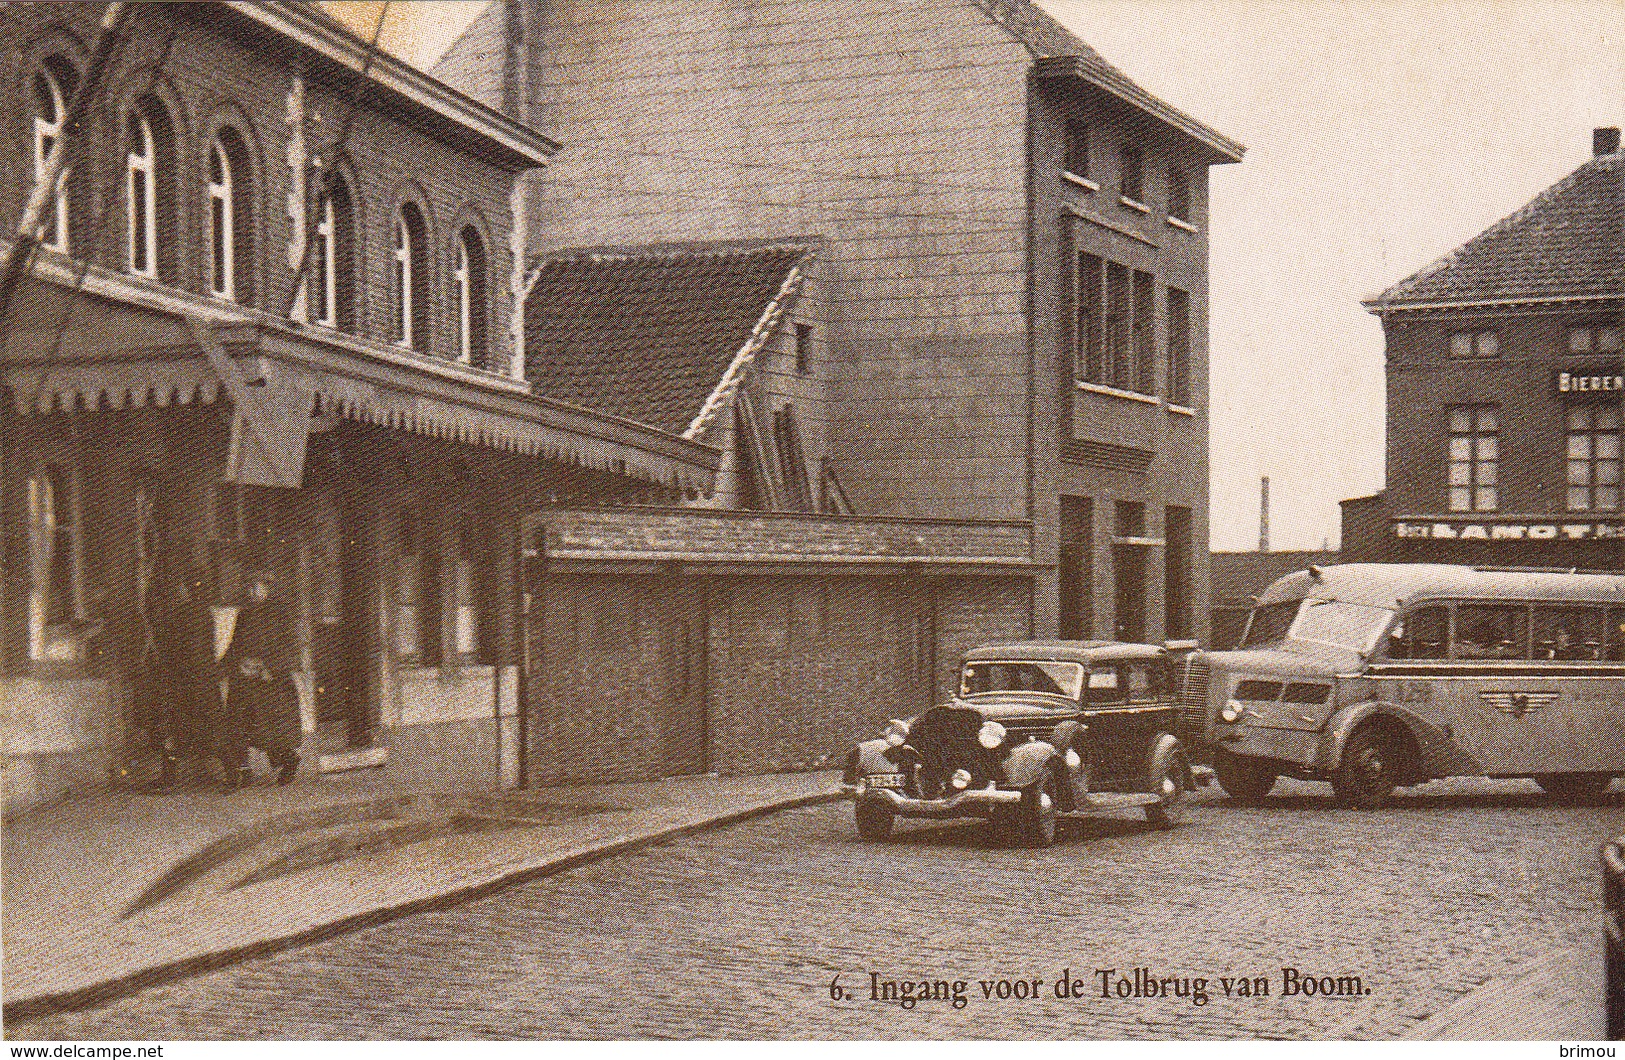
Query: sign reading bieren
{"x": 1587, "y": 383}
{"x": 1525, "y": 529}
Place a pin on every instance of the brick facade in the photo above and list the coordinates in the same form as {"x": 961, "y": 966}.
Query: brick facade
{"x": 1522, "y": 384}
{"x": 399, "y": 473}
{"x": 668, "y": 640}
{"x": 1504, "y": 389}
{"x": 924, "y": 144}
{"x": 1096, "y": 443}
{"x": 216, "y": 74}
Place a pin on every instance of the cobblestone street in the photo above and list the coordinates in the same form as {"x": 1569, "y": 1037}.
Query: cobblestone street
{"x": 739, "y": 933}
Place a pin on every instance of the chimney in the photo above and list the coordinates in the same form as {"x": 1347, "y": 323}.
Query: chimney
{"x": 1264, "y": 515}
{"x": 1604, "y": 141}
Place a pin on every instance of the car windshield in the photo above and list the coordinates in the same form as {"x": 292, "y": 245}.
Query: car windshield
{"x": 1051, "y": 678}
{"x": 1269, "y": 622}
{"x": 1344, "y": 625}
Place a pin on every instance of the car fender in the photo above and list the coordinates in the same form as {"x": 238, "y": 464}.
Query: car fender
{"x": 1026, "y": 763}
{"x": 1440, "y": 755}
{"x": 1162, "y": 752}
{"x": 872, "y": 758}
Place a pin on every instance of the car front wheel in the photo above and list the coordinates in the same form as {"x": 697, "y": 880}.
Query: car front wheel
{"x": 874, "y": 822}
{"x": 1171, "y": 785}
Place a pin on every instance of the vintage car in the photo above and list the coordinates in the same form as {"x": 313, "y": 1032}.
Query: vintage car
{"x": 1039, "y": 730}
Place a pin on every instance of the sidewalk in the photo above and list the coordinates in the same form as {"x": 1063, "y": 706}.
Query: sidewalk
{"x": 1559, "y": 998}
{"x": 117, "y": 891}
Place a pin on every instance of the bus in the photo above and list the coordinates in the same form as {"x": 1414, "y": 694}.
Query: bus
{"x": 1376, "y": 676}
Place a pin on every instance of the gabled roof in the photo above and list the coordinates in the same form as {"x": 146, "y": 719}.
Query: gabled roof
{"x": 1568, "y": 243}
{"x": 474, "y": 63}
{"x": 1061, "y": 53}
{"x": 657, "y": 334}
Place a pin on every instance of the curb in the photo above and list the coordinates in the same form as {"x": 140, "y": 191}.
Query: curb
{"x": 30, "y": 1008}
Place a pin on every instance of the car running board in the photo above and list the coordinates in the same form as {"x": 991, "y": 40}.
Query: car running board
{"x": 1112, "y": 800}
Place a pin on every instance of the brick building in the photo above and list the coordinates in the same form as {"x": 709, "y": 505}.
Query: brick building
{"x": 1001, "y": 312}
{"x": 680, "y": 640}
{"x": 177, "y": 401}
{"x": 764, "y": 627}
{"x": 1505, "y": 372}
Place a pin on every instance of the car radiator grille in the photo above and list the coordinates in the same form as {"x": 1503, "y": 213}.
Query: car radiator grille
{"x": 946, "y": 740}
{"x": 1193, "y": 701}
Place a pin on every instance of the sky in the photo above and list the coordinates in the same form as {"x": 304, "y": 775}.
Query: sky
{"x": 1381, "y": 134}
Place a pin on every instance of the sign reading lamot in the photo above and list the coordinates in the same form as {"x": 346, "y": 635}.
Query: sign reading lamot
{"x": 1510, "y": 530}
{"x": 1585, "y": 383}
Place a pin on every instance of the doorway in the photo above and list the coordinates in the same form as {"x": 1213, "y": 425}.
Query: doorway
{"x": 341, "y": 580}
{"x": 1076, "y": 574}
{"x": 684, "y": 737}
{"x": 1128, "y": 562}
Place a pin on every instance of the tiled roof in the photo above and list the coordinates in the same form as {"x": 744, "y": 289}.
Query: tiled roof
{"x": 649, "y": 333}
{"x": 1569, "y": 242}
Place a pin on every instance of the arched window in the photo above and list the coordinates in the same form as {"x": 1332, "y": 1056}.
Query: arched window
{"x": 331, "y": 275}
{"x": 231, "y": 227}
{"x": 410, "y": 273}
{"x": 140, "y": 196}
{"x": 149, "y": 175}
{"x": 469, "y": 281}
{"x": 222, "y": 234}
{"x": 50, "y": 110}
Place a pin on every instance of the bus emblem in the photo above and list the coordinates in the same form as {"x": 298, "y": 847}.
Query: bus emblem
{"x": 1519, "y": 703}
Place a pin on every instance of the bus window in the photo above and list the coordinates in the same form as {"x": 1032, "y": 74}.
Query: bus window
{"x": 1491, "y": 632}
{"x": 1568, "y": 633}
{"x": 1423, "y": 634}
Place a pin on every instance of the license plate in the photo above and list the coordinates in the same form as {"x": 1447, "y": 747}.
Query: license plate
{"x": 886, "y": 780}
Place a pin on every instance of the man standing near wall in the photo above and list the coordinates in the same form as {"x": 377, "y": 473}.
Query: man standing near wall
{"x": 262, "y": 701}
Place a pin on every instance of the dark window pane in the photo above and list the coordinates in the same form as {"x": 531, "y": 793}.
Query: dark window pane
{"x": 1491, "y": 632}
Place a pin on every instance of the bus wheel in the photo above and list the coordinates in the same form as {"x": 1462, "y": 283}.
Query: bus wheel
{"x": 1365, "y": 776}
{"x": 1574, "y": 787}
{"x": 1243, "y": 779}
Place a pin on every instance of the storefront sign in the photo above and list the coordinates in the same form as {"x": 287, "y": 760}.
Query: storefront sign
{"x": 1495, "y": 530}
{"x": 1578, "y": 382}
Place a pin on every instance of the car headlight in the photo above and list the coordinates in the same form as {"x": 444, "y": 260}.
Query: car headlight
{"x": 991, "y": 736}
{"x": 1232, "y": 711}
{"x": 960, "y": 780}
{"x": 896, "y": 732}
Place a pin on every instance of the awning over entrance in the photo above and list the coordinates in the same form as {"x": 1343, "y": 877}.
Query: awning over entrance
{"x": 144, "y": 354}
{"x": 110, "y": 385}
